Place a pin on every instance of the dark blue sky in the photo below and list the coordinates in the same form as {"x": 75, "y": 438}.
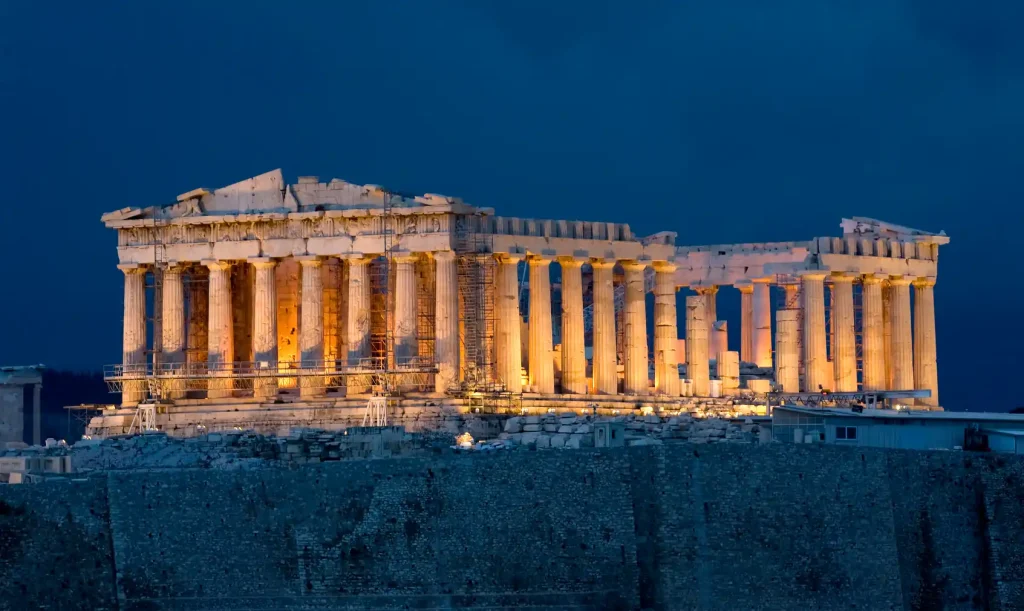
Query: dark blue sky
{"x": 723, "y": 121}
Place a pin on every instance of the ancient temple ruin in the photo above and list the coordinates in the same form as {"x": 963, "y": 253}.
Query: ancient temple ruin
{"x": 266, "y": 293}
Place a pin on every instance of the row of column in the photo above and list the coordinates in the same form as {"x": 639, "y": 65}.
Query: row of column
{"x": 220, "y": 340}
{"x": 898, "y": 350}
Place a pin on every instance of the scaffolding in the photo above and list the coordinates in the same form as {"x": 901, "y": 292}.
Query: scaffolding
{"x": 475, "y": 269}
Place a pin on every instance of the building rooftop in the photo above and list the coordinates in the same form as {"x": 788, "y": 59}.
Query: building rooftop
{"x": 904, "y": 414}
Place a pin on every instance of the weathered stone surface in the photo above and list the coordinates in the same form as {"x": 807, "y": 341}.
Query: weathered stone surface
{"x": 667, "y": 527}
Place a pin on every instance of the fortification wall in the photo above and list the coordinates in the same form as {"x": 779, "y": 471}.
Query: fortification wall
{"x": 668, "y": 527}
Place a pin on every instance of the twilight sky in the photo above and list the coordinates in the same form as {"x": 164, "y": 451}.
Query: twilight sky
{"x": 734, "y": 121}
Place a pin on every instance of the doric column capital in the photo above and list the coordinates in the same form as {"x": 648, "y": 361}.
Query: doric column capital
{"x": 405, "y": 258}
{"x": 900, "y": 280}
{"x": 871, "y": 279}
{"x": 632, "y": 265}
{"x": 763, "y": 280}
{"x": 360, "y": 260}
{"x": 509, "y": 258}
{"x": 704, "y": 289}
{"x": 443, "y": 255}
{"x": 217, "y": 265}
{"x": 538, "y": 260}
{"x": 570, "y": 262}
{"x": 664, "y": 266}
{"x": 309, "y": 261}
{"x": 745, "y": 288}
{"x": 262, "y": 262}
{"x": 922, "y": 282}
{"x": 131, "y": 268}
{"x": 813, "y": 275}
{"x": 842, "y": 277}
{"x": 602, "y": 263}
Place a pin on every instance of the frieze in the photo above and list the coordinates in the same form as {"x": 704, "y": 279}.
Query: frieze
{"x": 324, "y": 227}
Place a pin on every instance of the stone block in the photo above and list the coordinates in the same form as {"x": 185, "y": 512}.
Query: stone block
{"x": 514, "y": 425}
{"x": 544, "y": 441}
{"x": 566, "y": 429}
{"x": 558, "y": 441}
{"x": 531, "y": 428}
{"x": 583, "y": 429}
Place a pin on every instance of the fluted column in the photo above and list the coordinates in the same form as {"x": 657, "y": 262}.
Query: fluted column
{"x": 359, "y": 295}
{"x": 133, "y": 355}
{"x": 902, "y": 335}
{"x": 711, "y": 296}
{"x": 872, "y": 340}
{"x": 264, "y": 328}
{"x": 508, "y": 340}
{"x": 666, "y": 330}
{"x": 925, "y": 356}
{"x": 787, "y": 353}
{"x": 221, "y": 354}
{"x": 887, "y": 332}
{"x": 311, "y": 328}
{"x": 172, "y": 313}
{"x": 574, "y": 356}
{"x": 606, "y": 378}
{"x": 542, "y": 369}
{"x": 446, "y": 320}
{"x": 746, "y": 322}
{"x": 815, "y": 357}
{"x": 794, "y": 300}
{"x": 761, "y": 341}
{"x": 697, "y": 329}
{"x": 844, "y": 352}
{"x": 405, "y": 308}
{"x": 634, "y": 334}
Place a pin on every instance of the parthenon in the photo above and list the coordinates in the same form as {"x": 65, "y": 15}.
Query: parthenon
{"x": 264, "y": 291}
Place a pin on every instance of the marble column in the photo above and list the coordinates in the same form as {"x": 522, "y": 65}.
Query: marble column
{"x": 761, "y": 342}
{"x": 574, "y": 356}
{"x": 697, "y": 328}
{"x": 606, "y": 378}
{"x": 787, "y": 354}
{"x": 405, "y": 309}
{"x": 746, "y": 322}
{"x": 844, "y": 350}
{"x": 872, "y": 340}
{"x": 359, "y": 296}
{"x": 711, "y": 295}
{"x": 542, "y": 368}
{"x": 815, "y": 358}
{"x": 311, "y": 328}
{"x": 172, "y": 306}
{"x": 635, "y": 380}
{"x": 198, "y": 318}
{"x": 134, "y": 338}
{"x": 887, "y": 332}
{"x": 508, "y": 340}
{"x": 902, "y": 335}
{"x": 264, "y": 331}
{"x": 221, "y": 354}
{"x": 446, "y": 320}
{"x": 925, "y": 357}
{"x": 794, "y": 300}
{"x": 666, "y": 331}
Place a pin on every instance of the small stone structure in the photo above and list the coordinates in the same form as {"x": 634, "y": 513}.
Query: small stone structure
{"x": 15, "y": 383}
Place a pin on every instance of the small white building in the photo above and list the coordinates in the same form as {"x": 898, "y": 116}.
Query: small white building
{"x": 903, "y": 429}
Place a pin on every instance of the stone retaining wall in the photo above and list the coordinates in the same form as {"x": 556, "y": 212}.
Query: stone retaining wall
{"x": 678, "y": 526}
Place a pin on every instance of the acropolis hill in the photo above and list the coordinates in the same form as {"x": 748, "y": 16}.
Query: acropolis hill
{"x": 267, "y": 305}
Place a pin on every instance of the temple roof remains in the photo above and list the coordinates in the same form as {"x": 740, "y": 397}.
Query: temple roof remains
{"x": 269, "y": 193}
